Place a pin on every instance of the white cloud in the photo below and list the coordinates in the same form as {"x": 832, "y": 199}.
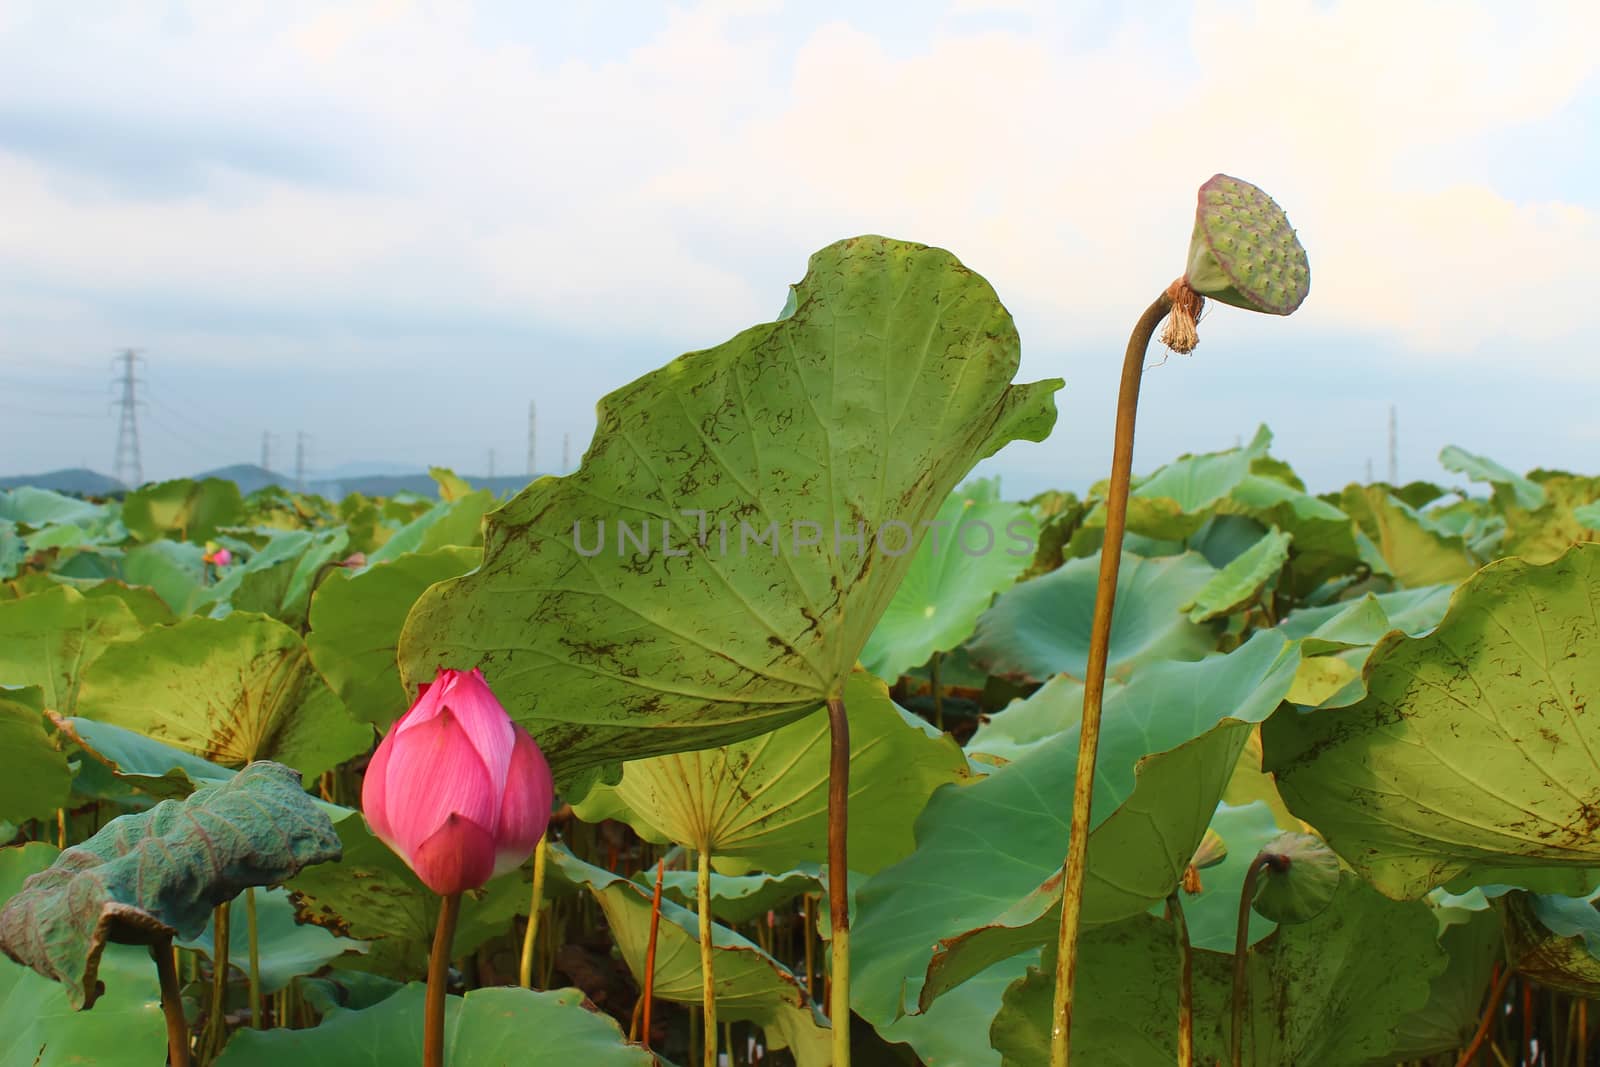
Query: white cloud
{"x": 670, "y": 191}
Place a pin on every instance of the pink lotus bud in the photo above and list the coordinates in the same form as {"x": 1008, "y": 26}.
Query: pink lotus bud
{"x": 221, "y": 557}
{"x": 456, "y": 788}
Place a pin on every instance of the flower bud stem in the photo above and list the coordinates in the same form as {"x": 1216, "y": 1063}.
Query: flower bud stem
{"x": 535, "y": 906}
{"x": 444, "y": 936}
{"x": 839, "y": 878}
{"x": 1180, "y": 929}
{"x": 171, "y": 1003}
{"x": 649, "y": 991}
{"x": 1094, "y": 682}
{"x": 255, "y": 956}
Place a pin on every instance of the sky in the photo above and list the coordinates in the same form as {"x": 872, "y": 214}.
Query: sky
{"x": 390, "y": 226}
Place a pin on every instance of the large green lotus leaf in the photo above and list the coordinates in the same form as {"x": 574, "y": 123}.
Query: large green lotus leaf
{"x": 1023, "y": 724}
{"x": 857, "y": 412}
{"x": 227, "y": 690}
{"x": 40, "y": 1027}
{"x": 1365, "y": 621}
{"x": 1509, "y": 486}
{"x": 749, "y": 984}
{"x": 1328, "y": 992}
{"x": 355, "y": 627}
{"x": 454, "y": 521}
{"x": 158, "y": 873}
{"x": 1177, "y": 500}
{"x": 1243, "y": 580}
{"x": 49, "y": 639}
{"x": 1041, "y": 627}
{"x": 976, "y": 548}
{"x": 1588, "y": 515}
{"x": 1471, "y": 749}
{"x": 286, "y": 949}
{"x": 371, "y": 895}
{"x": 146, "y": 604}
{"x": 34, "y": 777}
{"x": 142, "y": 762}
{"x": 495, "y": 1027}
{"x": 1325, "y": 538}
{"x": 1170, "y": 740}
{"x": 1416, "y": 552}
{"x": 173, "y": 569}
{"x": 183, "y": 509}
{"x": 1554, "y": 940}
{"x": 1541, "y": 534}
{"x": 954, "y": 1031}
{"x": 38, "y": 508}
{"x": 735, "y": 898}
{"x": 765, "y": 800}
{"x": 1455, "y": 999}
{"x": 277, "y": 579}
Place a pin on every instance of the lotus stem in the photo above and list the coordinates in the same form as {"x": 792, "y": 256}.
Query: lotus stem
{"x": 1073, "y": 870}
{"x": 535, "y": 906}
{"x": 839, "y": 878}
{"x": 938, "y": 691}
{"x": 649, "y": 992}
{"x": 444, "y": 937}
{"x": 808, "y": 935}
{"x": 217, "y": 1024}
{"x": 1264, "y": 861}
{"x": 708, "y": 982}
{"x": 1490, "y": 1012}
{"x": 171, "y": 1003}
{"x": 1180, "y": 929}
{"x": 255, "y": 957}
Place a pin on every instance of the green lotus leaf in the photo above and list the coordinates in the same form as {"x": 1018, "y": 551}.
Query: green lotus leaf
{"x": 1329, "y": 992}
{"x": 456, "y": 521}
{"x": 750, "y": 985}
{"x": 1541, "y": 534}
{"x": 277, "y": 579}
{"x": 857, "y": 413}
{"x": 1523, "y": 493}
{"x": 355, "y": 627}
{"x": 1242, "y": 581}
{"x": 140, "y": 761}
{"x": 1471, "y": 750}
{"x": 1415, "y": 552}
{"x": 1554, "y": 940}
{"x": 1180, "y": 497}
{"x": 50, "y": 638}
{"x": 286, "y": 949}
{"x": 765, "y": 801}
{"x": 39, "y": 508}
{"x": 1473, "y": 943}
{"x": 34, "y": 777}
{"x": 1170, "y": 740}
{"x": 175, "y": 571}
{"x": 371, "y": 895}
{"x": 976, "y": 549}
{"x": 41, "y": 1027}
{"x": 183, "y": 509}
{"x": 487, "y": 1028}
{"x": 1300, "y": 878}
{"x": 1041, "y": 627}
{"x": 227, "y": 690}
{"x": 13, "y": 550}
{"x": 735, "y": 898}
{"x": 954, "y": 1031}
{"x": 154, "y": 874}
{"x": 1588, "y": 515}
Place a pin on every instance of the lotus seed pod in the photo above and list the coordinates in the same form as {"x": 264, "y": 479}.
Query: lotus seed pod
{"x": 1301, "y": 877}
{"x": 1244, "y": 252}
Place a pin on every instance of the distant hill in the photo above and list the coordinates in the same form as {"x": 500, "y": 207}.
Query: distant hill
{"x": 420, "y": 484}
{"x": 76, "y": 480}
{"x": 247, "y": 476}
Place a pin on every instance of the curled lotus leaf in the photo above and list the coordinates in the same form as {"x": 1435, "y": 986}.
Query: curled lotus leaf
{"x": 158, "y": 874}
